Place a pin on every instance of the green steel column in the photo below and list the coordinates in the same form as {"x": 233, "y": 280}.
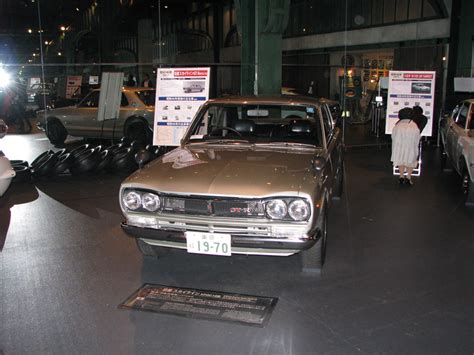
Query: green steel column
{"x": 261, "y": 24}
{"x": 466, "y": 36}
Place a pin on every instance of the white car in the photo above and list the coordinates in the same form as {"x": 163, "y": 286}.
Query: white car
{"x": 457, "y": 134}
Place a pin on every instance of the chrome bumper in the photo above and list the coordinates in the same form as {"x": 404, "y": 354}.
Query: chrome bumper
{"x": 241, "y": 244}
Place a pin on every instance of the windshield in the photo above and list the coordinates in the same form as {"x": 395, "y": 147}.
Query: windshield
{"x": 147, "y": 97}
{"x": 269, "y": 124}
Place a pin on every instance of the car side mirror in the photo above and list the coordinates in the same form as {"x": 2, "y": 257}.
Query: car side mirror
{"x": 318, "y": 164}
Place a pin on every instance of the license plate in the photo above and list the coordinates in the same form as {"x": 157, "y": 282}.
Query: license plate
{"x": 208, "y": 243}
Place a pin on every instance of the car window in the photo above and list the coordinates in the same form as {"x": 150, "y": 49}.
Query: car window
{"x": 124, "y": 100}
{"x": 147, "y": 97}
{"x": 91, "y": 100}
{"x": 462, "y": 116}
{"x": 327, "y": 120}
{"x": 258, "y": 124}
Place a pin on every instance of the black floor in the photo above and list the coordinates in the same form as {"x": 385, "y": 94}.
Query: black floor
{"x": 399, "y": 276}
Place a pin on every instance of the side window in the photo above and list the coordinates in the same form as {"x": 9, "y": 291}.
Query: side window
{"x": 91, "y": 100}
{"x": 461, "y": 119}
{"x": 123, "y": 100}
{"x": 327, "y": 120}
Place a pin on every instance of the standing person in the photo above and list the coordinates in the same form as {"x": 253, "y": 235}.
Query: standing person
{"x": 131, "y": 80}
{"x": 419, "y": 118}
{"x": 147, "y": 83}
{"x": 405, "y": 140}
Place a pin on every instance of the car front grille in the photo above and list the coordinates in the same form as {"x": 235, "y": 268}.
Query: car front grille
{"x": 213, "y": 207}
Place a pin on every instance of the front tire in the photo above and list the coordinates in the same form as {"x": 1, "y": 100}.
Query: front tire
{"x": 56, "y": 132}
{"x": 314, "y": 258}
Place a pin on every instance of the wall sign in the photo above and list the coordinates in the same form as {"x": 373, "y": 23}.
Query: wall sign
{"x": 408, "y": 89}
{"x": 73, "y": 86}
{"x": 179, "y": 94}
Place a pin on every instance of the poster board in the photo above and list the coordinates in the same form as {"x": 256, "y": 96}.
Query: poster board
{"x": 73, "y": 85}
{"x": 110, "y": 96}
{"x": 408, "y": 89}
{"x": 179, "y": 94}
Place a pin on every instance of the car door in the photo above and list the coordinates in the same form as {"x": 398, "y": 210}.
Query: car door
{"x": 333, "y": 145}
{"x": 78, "y": 119}
{"x": 456, "y": 130}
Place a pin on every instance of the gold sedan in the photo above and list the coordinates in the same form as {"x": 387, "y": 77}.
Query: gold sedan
{"x": 253, "y": 175}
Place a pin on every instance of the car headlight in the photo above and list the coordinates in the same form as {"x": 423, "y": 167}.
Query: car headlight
{"x": 151, "y": 202}
{"x": 298, "y": 210}
{"x": 132, "y": 200}
{"x": 276, "y": 209}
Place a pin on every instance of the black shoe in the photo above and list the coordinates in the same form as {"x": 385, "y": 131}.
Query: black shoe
{"x": 408, "y": 182}
{"x": 401, "y": 181}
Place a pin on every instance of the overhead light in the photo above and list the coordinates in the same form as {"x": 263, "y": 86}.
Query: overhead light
{"x": 30, "y": 30}
{"x": 444, "y": 58}
{"x": 60, "y": 54}
{"x": 46, "y": 42}
{"x": 62, "y": 28}
{"x": 77, "y": 9}
{"x": 34, "y": 54}
{"x": 166, "y": 6}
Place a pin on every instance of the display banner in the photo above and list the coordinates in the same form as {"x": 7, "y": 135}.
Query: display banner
{"x": 179, "y": 94}
{"x": 408, "y": 89}
{"x": 73, "y": 86}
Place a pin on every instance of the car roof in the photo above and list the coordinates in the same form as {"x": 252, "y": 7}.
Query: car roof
{"x": 268, "y": 100}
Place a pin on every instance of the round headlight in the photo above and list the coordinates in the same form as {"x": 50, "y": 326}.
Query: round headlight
{"x": 276, "y": 209}
{"x": 298, "y": 210}
{"x": 150, "y": 202}
{"x": 132, "y": 200}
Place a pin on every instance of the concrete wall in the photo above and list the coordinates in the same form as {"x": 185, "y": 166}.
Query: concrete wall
{"x": 386, "y": 34}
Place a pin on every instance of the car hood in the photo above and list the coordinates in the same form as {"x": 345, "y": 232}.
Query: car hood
{"x": 248, "y": 171}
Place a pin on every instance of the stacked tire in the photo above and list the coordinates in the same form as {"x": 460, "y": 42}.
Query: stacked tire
{"x": 87, "y": 159}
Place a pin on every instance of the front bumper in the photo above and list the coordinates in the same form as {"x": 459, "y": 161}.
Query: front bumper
{"x": 249, "y": 245}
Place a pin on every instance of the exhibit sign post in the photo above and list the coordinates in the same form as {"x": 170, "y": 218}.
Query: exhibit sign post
{"x": 110, "y": 96}
{"x": 179, "y": 94}
{"x": 408, "y": 89}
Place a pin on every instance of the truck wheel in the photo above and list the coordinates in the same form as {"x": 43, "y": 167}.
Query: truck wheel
{"x": 56, "y": 132}
{"x": 314, "y": 257}
{"x": 150, "y": 250}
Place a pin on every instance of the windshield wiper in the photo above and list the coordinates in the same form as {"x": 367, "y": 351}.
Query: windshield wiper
{"x": 289, "y": 144}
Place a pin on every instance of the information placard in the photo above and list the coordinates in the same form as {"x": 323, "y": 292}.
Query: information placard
{"x": 408, "y": 89}
{"x": 179, "y": 94}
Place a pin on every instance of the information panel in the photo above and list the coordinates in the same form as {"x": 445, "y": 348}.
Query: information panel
{"x": 179, "y": 94}
{"x": 408, "y": 89}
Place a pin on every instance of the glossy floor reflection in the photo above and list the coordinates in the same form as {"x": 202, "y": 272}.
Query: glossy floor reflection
{"x": 399, "y": 277}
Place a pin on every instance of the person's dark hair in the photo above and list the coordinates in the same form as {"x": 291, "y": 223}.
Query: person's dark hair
{"x": 405, "y": 113}
{"x": 417, "y": 110}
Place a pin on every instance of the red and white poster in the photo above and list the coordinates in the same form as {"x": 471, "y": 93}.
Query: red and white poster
{"x": 408, "y": 89}
{"x": 179, "y": 94}
{"x": 73, "y": 86}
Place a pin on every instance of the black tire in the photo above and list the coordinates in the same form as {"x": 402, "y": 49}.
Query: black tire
{"x": 22, "y": 173}
{"x": 64, "y": 163}
{"x": 45, "y": 167}
{"x": 85, "y": 162}
{"x": 40, "y": 158}
{"x": 468, "y": 188}
{"x": 105, "y": 160}
{"x": 19, "y": 163}
{"x": 339, "y": 185}
{"x": 314, "y": 257}
{"x": 61, "y": 152}
{"x": 56, "y": 132}
{"x": 124, "y": 161}
{"x": 79, "y": 150}
{"x": 150, "y": 250}
{"x": 139, "y": 132}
